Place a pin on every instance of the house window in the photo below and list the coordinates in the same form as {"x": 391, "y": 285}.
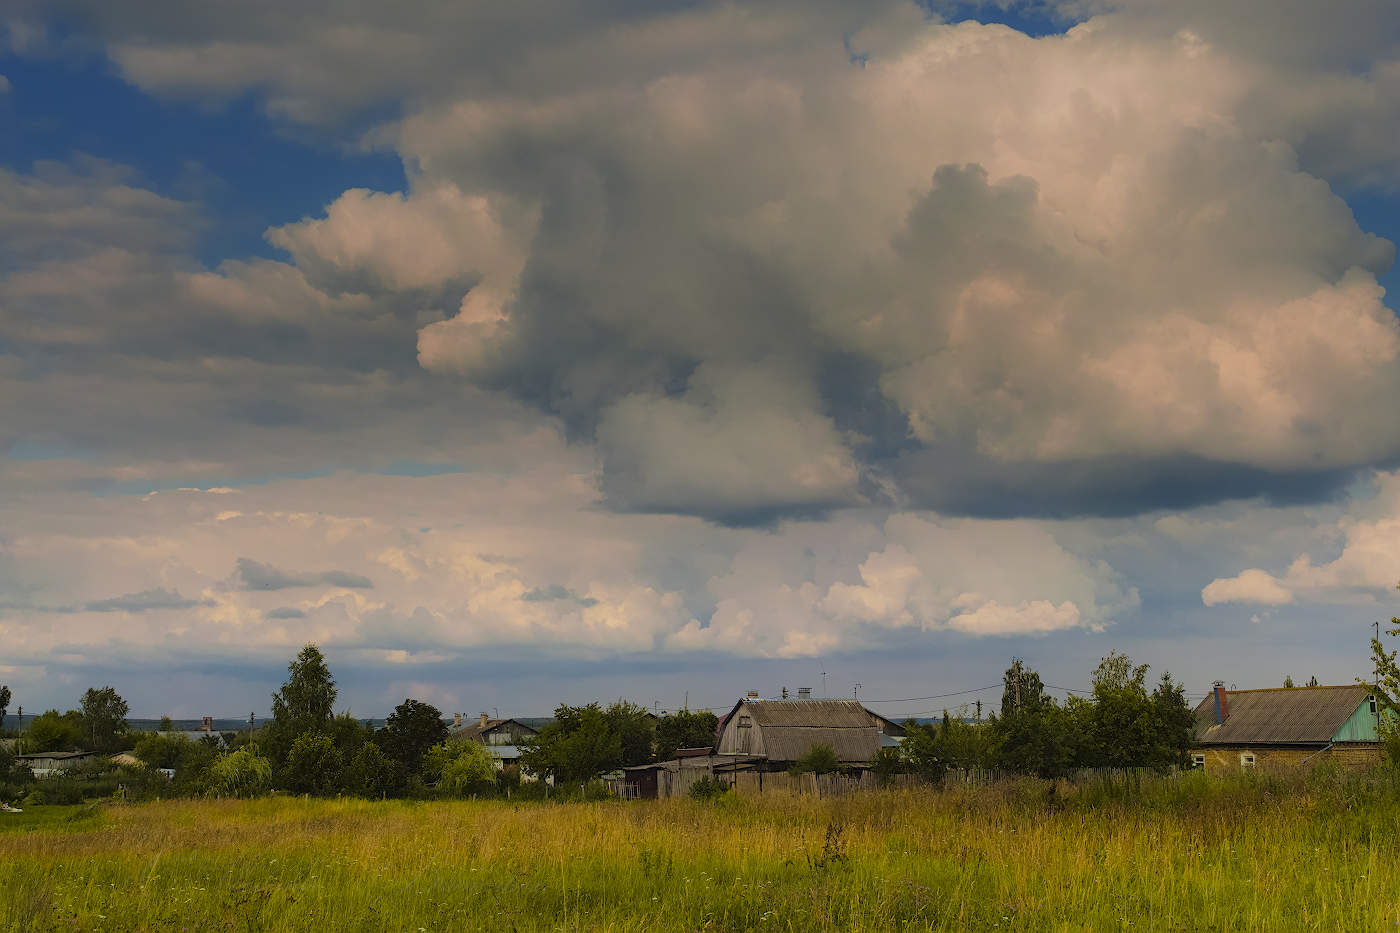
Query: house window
{"x": 745, "y": 722}
{"x": 1198, "y": 761}
{"x": 1372, "y": 701}
{"x": 1246, "y": 760}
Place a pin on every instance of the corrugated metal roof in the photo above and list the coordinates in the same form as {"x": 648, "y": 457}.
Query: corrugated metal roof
{"x": 1283, "y": 715}
{"x": 829, "y": 713}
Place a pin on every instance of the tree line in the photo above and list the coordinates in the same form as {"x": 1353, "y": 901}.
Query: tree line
{"x": 307, "y": 748}
{"x": 1120, "y": 724}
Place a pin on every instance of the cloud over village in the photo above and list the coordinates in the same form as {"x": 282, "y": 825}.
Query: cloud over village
{"x": 698, "y": 335}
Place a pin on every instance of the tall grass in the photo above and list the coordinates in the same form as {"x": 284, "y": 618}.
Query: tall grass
{"x": 1252, "y": 853}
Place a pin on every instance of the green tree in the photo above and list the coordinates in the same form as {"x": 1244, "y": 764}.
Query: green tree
{"x": 4, "y": 703}
{"x": 162, "y": 750}
{"x": 313, "y": 765}
{"x": 166, "y": 725}
{"x": 635, "y": 729}
{"x": 104, "y": 714}
{"x": 1124, "y": 726}
{"x": 923, "y": 752}
{"x": 240, "y": 774}
{"x": 819, "y": 759}
{"x": 886, "y": 763}
{"x": 1288, "y": 680}
{"x": 684, "y": 729}
{"x": 1386, "y": 690}
{"x": 411, "y": 729}
{"x": 460, "y": 768}
{"x": 1033, "y": 734}
{"x": 52, "y": 731}
{"x": 370, "y": 773}
{"x": 303, "y": 705}
{"x": 577, "y": 745}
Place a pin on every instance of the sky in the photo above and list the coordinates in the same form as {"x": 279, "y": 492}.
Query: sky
{"x": 518, "y": 354}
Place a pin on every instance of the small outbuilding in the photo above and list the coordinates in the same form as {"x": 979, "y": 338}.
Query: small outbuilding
{"x": 45, "y": 764}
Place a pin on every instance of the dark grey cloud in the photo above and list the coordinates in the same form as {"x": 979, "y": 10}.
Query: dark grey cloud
{"x": 253, "y": 575}
{"x": 556, "y": 592}
{"x": 286, "y": 612}
{"x": 144, "y": 601}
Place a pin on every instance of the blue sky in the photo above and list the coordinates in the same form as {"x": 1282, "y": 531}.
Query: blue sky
{"x": 685, "y": 356}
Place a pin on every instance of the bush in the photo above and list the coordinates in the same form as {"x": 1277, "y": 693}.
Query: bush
{"x": 370, "y": 773}
{"x": 461, "y": 768}
{"x": 240, "y": 774}
{"x": 707, "y": 788}
{"x": 313, "y": 765}
{"x": 819, "y": 759}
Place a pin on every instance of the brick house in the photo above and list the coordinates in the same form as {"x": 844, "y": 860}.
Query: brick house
{"x": 1285, "y": 727}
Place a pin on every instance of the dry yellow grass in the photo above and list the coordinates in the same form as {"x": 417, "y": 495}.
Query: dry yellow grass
{"x": 1186, "y": 854}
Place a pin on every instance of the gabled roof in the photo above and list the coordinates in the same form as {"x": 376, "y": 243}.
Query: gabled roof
{"x": 792, "y": 727}
{"x": 475, "y": 730}
{"x": 55, "y": 756}
{"x": 1281, "y": 715}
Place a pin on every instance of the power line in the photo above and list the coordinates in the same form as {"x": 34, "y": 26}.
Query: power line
{"x": 936, "y": 696}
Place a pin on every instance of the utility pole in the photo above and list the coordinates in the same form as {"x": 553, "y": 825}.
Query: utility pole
{"x": 979, "y": 711}
{"x": 823, "y": 685}
{"x": 1377, "y": 674}
{"x": 1016, "y": 680}
{"x": 855, "y": 691}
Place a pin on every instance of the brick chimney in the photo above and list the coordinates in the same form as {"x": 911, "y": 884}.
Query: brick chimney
{"x": 206, "y": 724}
{"x": 484, "y": 719}
{"x": 1222, "y": 703}
{"x": 456, "y": 720}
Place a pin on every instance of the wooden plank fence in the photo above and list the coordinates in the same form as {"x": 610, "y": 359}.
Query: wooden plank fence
{"x": 780, "y": 783}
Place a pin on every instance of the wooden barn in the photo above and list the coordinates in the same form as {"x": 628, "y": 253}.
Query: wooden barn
{"x": 778, "y": 732}
{"x": 1286, "y": 727}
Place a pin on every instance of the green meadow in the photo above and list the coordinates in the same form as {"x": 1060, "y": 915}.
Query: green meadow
{"x": 1188, "y": 853}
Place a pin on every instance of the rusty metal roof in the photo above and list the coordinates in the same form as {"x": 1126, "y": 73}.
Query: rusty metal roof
{"x": 1282, "y": 715}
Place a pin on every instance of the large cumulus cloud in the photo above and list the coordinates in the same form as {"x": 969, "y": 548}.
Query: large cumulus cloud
{"x": 710, "y": 266}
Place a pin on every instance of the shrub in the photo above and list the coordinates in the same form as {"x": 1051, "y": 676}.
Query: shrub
{"x": 240, "y": 774}
{"x": 313, "y": 765}
{"x": 370, "y": 773}
{"x": 461, "y": 768}
{"x": 819, "y": 759}
{"x": 708, "y": 788}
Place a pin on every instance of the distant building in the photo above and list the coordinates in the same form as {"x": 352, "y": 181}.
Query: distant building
{"x": 1286, "y": 727}
{"x": 502, "y": 737}
{"x": 47, "y": 764}
{"x": 779, "y": 732}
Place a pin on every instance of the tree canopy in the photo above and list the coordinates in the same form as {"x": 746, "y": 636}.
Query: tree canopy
{"x": 684, "y": 729}
{"x": 104, "y": 715}
{"x": 303, "y": 705}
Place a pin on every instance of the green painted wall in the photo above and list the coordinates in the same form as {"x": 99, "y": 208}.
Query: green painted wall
{"x": 1359, "y": 727}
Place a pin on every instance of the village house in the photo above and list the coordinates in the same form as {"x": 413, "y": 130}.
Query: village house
{"x": 502, "y": 737}
{"x": 761, "y": 736}
{"x": 1286, "y": 727}
{"x": 779, "y": 732}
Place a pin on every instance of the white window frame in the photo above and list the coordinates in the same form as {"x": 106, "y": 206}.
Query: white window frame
{"x": 1246, "y": 759}
{"x": 1198, "y": 761}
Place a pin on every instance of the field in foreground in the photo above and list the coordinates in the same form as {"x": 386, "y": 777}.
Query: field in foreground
{"x": 1185, "y": 854}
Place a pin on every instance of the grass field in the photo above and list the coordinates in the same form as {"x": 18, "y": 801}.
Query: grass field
{"x": 1185, "y": 854}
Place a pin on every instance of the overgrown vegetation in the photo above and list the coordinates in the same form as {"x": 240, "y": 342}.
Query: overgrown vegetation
{"x": 1120, "y": 725}
{"x": 1187, "y": 852}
